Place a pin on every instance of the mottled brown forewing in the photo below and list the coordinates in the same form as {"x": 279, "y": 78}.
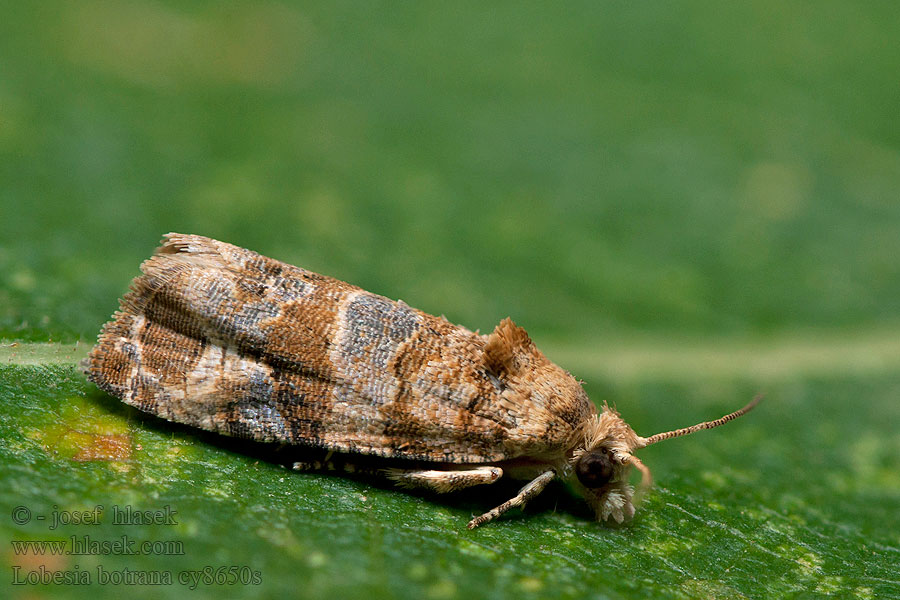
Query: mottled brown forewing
{"x": 219, "y": 337}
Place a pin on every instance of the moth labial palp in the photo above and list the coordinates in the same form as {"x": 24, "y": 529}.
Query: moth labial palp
{"x": 221, "y": 338}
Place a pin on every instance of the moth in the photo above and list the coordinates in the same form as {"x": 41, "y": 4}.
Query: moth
{"x": 221, "y": 338}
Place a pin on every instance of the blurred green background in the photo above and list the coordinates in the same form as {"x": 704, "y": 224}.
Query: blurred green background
{"x": 684, "y": 204}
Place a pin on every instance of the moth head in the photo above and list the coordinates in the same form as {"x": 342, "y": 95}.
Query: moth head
{"x": 602, "y": 465}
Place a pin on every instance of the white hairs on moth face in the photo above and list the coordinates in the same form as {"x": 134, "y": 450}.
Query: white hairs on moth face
{"x": 612, "y": 501}
{"x": 616, "y": 502}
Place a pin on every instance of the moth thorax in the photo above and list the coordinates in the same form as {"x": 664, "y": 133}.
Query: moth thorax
{"x": 595, "y": 468}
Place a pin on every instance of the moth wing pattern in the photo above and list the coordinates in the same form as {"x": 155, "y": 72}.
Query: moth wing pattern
{"x": 221, "y": 338}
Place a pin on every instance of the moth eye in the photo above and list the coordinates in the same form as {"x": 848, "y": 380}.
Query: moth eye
{"x": 594, "y": 469}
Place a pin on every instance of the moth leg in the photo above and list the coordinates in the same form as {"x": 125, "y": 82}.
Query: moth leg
{"x": 532, "y": 489}
{"x": 329, "y": 464}
{"x": 444, "y": 481}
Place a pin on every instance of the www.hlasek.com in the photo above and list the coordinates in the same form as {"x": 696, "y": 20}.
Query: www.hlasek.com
{"x": 85, "y": 545}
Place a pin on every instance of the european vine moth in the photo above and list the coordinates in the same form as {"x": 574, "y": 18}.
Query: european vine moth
{"x": 218, "y": 337}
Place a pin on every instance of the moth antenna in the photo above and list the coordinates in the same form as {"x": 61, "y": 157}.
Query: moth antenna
{"x": 646, "y": 477}
{"x": 706, "y": 425}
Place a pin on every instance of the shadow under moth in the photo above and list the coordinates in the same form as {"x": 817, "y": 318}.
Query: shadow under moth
{"x": 218, "y": 337}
